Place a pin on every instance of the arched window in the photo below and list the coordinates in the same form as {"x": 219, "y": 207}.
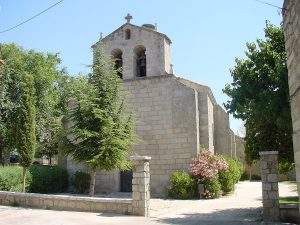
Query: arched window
{"x": 117, "y": 57}
{"x": 127, "y": 34}
{"x": 141, "y": 62}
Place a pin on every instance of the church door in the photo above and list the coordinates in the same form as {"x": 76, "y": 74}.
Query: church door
{"x": 126, "y": 181}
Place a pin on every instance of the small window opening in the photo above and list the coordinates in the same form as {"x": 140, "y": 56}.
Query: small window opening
{"x": 118, "y": 59}
{"x": 141, "y": 61}
{"x": 127, "y": 34}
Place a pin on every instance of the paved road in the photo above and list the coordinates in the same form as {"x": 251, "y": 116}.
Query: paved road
{"x": 243, "y": 207}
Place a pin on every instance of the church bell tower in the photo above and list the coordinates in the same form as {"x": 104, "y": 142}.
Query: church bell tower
{"x": 139, "y": 51}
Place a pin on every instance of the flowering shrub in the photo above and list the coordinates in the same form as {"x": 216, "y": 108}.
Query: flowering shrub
{"x": 206, "y": 166}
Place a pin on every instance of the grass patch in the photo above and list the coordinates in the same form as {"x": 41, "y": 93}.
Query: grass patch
{"x": 289, "y": 200}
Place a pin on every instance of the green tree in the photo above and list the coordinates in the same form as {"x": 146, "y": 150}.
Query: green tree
{"x": 4, "y": 112}
{"x": 260, "y": 96}
{"x": 102, "y": 133}
{"x": 51, "y": 139}
{"x": 45, "y": 72}
{"x": 25, "y": 137}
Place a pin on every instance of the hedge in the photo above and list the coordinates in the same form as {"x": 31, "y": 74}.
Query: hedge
{"x": 182, "y": 186}
{"x": 48, "y": 179}
{"x": 81, "y": 182}
{"x": 40, "y": 179}
{"x": 230, "y": 177}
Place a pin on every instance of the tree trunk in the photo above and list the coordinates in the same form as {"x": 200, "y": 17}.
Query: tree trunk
{"x": 50, "y": 161}
{"x": 92, "y": 184}
{"x": 24, "y": 180}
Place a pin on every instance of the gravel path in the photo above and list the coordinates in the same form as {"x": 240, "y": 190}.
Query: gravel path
{"x": 243, "y": 207}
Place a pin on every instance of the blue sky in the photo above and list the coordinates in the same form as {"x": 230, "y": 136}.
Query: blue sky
{"x": 206, "y": 35}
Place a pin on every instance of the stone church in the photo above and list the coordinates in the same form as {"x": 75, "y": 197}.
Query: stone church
{"x": 174, "y": 116}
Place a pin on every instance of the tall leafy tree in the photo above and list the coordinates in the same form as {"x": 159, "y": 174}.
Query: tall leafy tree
{"x": 260, "y": 96}
{"x": 45, "y": 71}
{"x": 25, "y": 136}
{"x": 51, "y": 139}
{"x": 3, "y": 113}
{"x": 102, "y": 133}
{"x": 9, "y": 97}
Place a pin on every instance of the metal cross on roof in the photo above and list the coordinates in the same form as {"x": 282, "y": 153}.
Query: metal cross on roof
{"x": 128, "y": 18}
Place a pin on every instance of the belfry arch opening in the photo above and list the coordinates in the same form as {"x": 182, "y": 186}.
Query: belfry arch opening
{"x": 140, "y": 61}
{"x": 117, "y": 56}
{"x": 127, "y": 34}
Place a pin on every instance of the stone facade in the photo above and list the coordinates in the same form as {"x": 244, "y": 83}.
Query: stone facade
{"x": 291, "y": 24}
{"x": 106, "y": 181}
{"x": 166, "y": 114}
{"x": 226, "y": 142}
{"x": 174, "y": 116}
{"x": 269, "y": 179}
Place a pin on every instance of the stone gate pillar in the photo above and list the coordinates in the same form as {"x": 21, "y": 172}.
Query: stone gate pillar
{"x": 140, "y": 185}
{"x": 269, "y": 178}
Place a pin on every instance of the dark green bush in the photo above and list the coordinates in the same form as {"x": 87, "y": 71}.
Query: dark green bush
{"x": 81, "y": 182}
{"x": 244, "y": 176}
{"x": 255, "y": 177}
{"x": 231, "y": 176}
{"x": 48, "y": 179}
{"x": 11, "y": 178}
{"x": 285, "y": 166}
{"x": 182, "y": 186}
{"x": 212, "y": 188}
{"x": 39, "y": 179}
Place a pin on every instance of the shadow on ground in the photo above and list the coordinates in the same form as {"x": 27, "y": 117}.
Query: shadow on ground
{"x": 219, "y": 217}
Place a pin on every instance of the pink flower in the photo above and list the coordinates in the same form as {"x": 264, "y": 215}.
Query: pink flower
{"x": 206, "y": 166}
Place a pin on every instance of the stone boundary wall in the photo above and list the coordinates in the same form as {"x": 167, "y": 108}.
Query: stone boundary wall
{"x": 67, "y": 203}
{"x": 138, "y": 205}
{"x": 269, "y": 178}
{"x": 289, "y": 213}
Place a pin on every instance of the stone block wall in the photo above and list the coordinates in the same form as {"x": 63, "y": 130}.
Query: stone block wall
{"x": 226, "y": 142}
{"x": 158, "y": 56}
{"x": 106, "y": 181}
{"x": 221, "y": 131}
{"x": 67, "y": 203}
{"x": 166, "y": 125}
{"x": 138, "y": 205}
{"x": 291, "y": 25}
{"x": 141, "y": 185}
{"x": 206, "y": 106}
{"x": 269, "y": 179}
{"x": 206, "y": 121}
{"x": 240, "y": 148}
{"x": 174, "y": 117}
